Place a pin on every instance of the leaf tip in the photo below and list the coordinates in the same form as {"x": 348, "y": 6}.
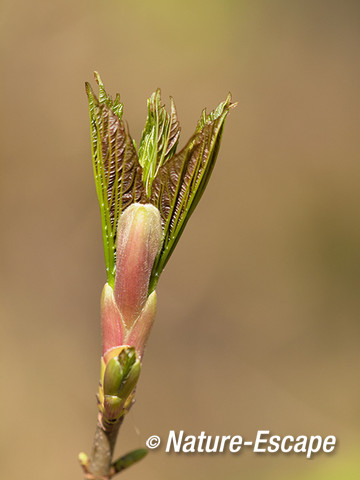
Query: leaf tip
{"x": 98, "y": 79}
{"x": 230, "y": 105}
{"x": 89, "y": 91}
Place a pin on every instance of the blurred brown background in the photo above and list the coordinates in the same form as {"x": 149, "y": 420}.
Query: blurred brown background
{"x": 258, "y": 320}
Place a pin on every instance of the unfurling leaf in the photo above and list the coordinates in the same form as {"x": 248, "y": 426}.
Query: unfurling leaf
{"x": 116, "y": 169}
{"x": 181, "y": 181}
{"x": 159, "y": 139}
{"x": 173, "y": 183}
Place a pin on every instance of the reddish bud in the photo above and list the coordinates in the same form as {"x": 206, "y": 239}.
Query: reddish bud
{"x": 138, "y": 241}
{"x": 111, "y": 322}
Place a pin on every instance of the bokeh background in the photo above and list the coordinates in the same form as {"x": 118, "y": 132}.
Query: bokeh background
{"x": 258, "y": 319}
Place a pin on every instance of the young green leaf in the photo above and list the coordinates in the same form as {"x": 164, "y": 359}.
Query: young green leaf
{"x": 118, "y": 175}
{"x": 129, "y": 459}
{"x": 159, "y": 139}
{"x": 181, "y": 181}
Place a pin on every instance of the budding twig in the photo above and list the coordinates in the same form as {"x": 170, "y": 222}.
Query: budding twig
{"x": 146, "y": 197}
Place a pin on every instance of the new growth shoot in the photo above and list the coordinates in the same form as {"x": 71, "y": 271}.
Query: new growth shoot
{"x": 146, "y": 197}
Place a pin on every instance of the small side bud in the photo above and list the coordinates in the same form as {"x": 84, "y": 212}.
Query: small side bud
{"x": 118, "y": 382}
{"x": 139, "y": 236}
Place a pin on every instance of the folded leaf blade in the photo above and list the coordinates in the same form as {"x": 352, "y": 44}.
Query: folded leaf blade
{"x": 181, "y": 181}
{"x": 159, "y": 139}
{"x": 118, "y": 175}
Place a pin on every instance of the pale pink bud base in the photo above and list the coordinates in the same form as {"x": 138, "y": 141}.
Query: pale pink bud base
{"x": 116, "y": 333}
